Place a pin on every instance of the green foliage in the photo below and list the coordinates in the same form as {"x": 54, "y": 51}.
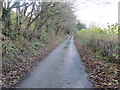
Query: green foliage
{"x": 104, "y": 42}
{"x": 113, "y": 29}
{"x": 13, "y": 15}
{"x": 80, "y": 26}
{"x": 98, "y": 54}
{"x": 108, "y": 34}
{"x": 36, "y": 45}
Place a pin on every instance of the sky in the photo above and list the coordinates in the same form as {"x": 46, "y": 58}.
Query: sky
{"x": 97, "y": 12}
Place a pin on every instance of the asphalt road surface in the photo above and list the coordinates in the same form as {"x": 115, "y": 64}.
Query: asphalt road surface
{"x": 61, "y": 69}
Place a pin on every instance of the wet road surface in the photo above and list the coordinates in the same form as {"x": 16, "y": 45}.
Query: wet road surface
{"x": 61, "y": 69}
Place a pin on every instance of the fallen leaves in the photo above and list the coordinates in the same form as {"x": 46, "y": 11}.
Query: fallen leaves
{"x": 102, "y": 74}
{"x": 19, "y": 69}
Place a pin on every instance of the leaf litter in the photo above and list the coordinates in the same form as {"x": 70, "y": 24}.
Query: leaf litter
{"x": 103, "y": 75}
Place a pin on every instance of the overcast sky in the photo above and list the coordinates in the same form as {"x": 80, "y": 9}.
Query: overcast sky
{"x": 97, "y": 12}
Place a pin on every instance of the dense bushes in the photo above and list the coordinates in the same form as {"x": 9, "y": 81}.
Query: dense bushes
{"x": 102, "y": 41}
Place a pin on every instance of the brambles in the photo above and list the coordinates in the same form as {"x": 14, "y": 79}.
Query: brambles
{"x": 103, "y": 40}
{"x": 103, "y": 75}
{"x": 99, "y": 51}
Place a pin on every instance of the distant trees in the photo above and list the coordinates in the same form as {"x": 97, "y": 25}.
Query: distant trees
{"x": 80, "y": 26}
{"x": 31, "y": 19}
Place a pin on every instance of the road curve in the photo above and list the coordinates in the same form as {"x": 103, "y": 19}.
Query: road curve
{"x": 61, "y": 69}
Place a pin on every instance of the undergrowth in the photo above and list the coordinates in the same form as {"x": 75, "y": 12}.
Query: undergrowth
{"x": 99, "y": 49}
{"x": 103, "y": 42}
{"x": 19, "y": 57}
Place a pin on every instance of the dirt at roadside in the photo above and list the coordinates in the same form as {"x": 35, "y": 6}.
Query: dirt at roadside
{"x": 103, "y": 75}
{"x": 20, "y": 71}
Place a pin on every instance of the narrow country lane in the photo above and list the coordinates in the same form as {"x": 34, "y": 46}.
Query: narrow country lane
{"x": 61, "y": 69}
